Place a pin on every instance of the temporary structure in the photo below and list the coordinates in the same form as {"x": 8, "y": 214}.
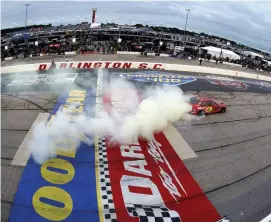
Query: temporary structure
{"x": 214, "y": 51}
{"x": 252, "y": 54}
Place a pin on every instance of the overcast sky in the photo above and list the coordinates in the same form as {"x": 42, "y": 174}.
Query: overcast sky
{"x": 246, "y": 22}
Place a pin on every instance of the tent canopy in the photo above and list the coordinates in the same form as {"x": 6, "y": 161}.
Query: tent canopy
{"x": 214, "y": 51}
{"x": 252, "y": 54}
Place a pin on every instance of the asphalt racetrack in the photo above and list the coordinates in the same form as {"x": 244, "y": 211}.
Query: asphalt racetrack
{"x": 233, "y": 160}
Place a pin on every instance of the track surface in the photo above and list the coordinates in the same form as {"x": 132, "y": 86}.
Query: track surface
{"x": 233, "y": 148}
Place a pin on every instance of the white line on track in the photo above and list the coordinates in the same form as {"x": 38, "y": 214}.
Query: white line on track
{"x": 266, "y": 219}
{"x": 179, "y": 144}
{"x": 22, "y": 155}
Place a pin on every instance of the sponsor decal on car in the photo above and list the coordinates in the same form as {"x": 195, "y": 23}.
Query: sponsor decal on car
{"x": 164, "y": 78}
{"x": 208, "y": 109}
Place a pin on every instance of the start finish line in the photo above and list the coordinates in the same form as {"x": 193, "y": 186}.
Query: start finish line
{"x": 144, "y": 181}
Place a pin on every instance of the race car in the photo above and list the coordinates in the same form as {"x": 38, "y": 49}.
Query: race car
{"x": 203, "y": 106}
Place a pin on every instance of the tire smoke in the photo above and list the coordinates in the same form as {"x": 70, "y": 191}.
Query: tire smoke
{"x": 127, "y": 115}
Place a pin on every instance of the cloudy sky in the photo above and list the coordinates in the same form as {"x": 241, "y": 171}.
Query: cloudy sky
{"x": 246, "y": 22}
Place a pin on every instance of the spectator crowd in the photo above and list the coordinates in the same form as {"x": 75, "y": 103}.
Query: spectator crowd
{"x": 95, "y": 46}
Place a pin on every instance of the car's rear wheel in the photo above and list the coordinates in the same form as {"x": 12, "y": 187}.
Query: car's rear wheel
{"x": 223, "y": 110}
{"x": 200, "y": 113}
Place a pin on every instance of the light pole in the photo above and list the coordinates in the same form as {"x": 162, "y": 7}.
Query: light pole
{"x": 221, "y": 52}
{"x": 44, "y": 21}
{"x": 36, "y": 44}
{"x": 25, "y": 21}
{"x": 119, "y": 41}
{"x": 188, "y": 10}
{"x": 78, "y": 19}
{"x": 61, "y": 20}
{"x": 160, "y": 44}
{"x": 160, "y": 41}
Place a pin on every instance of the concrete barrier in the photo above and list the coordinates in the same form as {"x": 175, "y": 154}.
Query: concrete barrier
{"x": 70, "y": 53}
{"x": 8, "y": 58}
{"x": 128, "y": 53}
{"x": 139, "y": 53}
{"x": 132, "y": 65}
{"x": 165, "y": 55}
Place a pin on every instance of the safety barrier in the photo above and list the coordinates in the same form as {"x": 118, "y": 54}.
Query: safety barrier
{"x": 128, "y": 53}
{"x": 71, "y": 53}
{"x": 8, "y": 58}
{"x": 139, "y": 53}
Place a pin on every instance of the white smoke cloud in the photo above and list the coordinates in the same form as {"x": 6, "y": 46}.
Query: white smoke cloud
{"x": 126, "y": 117}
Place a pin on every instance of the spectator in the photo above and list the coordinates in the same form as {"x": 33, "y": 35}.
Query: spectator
{"x": 53, "y": 65}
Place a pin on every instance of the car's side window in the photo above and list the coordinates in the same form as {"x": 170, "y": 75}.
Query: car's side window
{"x": 194, "y": 100}
{"x": 210, "y": 103}
{"x": 203, "y": 104}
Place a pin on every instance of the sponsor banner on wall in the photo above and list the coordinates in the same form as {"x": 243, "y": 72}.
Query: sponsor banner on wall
{"x": 164, "y": 78}
{"x": 44, "y": 79}
{"x": 102, "y": 64}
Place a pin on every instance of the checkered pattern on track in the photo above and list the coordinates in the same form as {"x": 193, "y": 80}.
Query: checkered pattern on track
{"x": 147, "y": 213}
{"x": 105, "y": 185}
{"x": 109, "y": 211}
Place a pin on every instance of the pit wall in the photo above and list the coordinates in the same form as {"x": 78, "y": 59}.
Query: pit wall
{"x": 131, "y": 65}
